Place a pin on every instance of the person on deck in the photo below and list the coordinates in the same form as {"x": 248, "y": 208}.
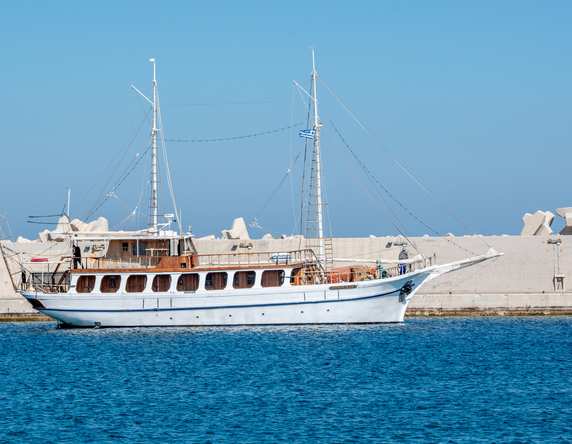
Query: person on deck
{"x": 403, "y": 255}
{"x": 77, "y": 257}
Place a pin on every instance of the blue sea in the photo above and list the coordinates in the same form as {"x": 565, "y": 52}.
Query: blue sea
{"x": 428, "y": 380}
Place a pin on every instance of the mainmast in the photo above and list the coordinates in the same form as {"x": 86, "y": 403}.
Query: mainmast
{"x": 315, "y": 221}
{"x": 317, "y": 166}
{"x": 153, "y": 223}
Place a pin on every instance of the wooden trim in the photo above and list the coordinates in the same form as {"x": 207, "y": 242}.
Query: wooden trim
{"x": 179, "y": 270}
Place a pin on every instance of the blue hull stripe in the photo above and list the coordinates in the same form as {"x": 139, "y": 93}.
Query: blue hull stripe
{"x": 221, "y": 307}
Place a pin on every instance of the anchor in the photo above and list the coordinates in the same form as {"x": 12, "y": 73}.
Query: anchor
{"x": 405, "y": 290}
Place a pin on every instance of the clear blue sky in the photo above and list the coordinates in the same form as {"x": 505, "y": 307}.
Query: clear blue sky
{"x": 474, "y": 98}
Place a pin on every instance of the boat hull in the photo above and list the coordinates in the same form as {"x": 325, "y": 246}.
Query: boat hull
{"x": 375, "y": 301}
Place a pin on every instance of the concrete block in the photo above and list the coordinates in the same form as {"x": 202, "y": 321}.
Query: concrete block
{"x": 44, "y": 236}
{"x": 566, "y": 213}
{"x": 78, "y": 225}
{"x": 62, "y": 230}
{"x": 238, "y": 230}
{"x": 545, "y": 230}
{"x": 100, "y": 224}
{"x": 538, "y": 224}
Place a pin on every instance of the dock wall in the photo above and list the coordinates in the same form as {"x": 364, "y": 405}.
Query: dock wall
{"x": 523, "y": 281}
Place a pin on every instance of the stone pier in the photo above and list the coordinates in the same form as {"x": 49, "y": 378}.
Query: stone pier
{"x": 533, "y": 277}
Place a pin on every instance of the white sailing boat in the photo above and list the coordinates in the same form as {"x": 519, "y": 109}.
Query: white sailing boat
{"x": 157, "y": 278}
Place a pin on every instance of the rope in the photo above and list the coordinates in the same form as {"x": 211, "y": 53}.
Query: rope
{"x": 237, "y": 137}
{"x": 370, "y": 196}
{"x": 125, "y": 147}
{"x": 398, "y": 163}
{"x": 372, "y": 177}
{"x": 117, "y": 185}
{"x": 254, "y": 222}
{"x": 450, "y": 288}
{"x": 229, "y": 103}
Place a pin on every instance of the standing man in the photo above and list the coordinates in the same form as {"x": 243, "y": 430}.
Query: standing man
{"x": 77, "y": 257}
{"x": 403, "y": 255}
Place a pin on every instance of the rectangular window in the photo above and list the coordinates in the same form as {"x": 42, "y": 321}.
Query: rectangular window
{"x": 216, "y": 281}
{"x": 125, "y": 246}
{"x": 142, "y": 249}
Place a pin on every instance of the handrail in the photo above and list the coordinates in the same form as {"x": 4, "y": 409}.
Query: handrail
{"x": 309, "y": 276}
{"x": 245, "y": 260}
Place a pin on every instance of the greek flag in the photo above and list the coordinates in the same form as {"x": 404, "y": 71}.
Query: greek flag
{"x": 308, "y": 134}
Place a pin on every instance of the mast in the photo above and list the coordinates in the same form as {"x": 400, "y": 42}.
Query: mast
{"x": 315, "y": 222}
{"x": 153, "y": 186}
{"x": 318, "y": 165}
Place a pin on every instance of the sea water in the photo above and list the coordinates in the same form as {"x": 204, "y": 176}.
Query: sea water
{"x": 428, "y": 380}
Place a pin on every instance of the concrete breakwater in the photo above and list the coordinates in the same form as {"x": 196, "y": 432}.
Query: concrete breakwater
{"x": 531, "y": 278}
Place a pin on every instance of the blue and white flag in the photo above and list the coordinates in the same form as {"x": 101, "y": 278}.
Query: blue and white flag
{"x": 308, "y": 134}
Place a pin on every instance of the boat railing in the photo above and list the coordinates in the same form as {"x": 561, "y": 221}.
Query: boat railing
{"x": 46, "y": 281}
{"x": 245, "y": 260}
{"x": 45, "y": 288}
{"x": 360, "y": 273}
{"x": 102, "y": 263}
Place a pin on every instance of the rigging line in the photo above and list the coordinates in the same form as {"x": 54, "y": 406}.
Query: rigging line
{"x": 327, "y": 215}
{"x": 255, "y": 219}
{"x": 302, "y": 200}
{"x": 266, "y": 229}
{"x": 371, "y": 186}
{"x": 233, "y": 138}
{"x": 229, "y": 103}
{"x": 429, "y": 301}
{"x": 101, "y": 195}
{"x": 142, "y": 106}
{"x": 368, "y": 174}
{"x": 126, "y": 145}
{"x": 290, "y": 153}
{"x": 372, "y": 177}
{"x": 398, "y": 163}
{"x": 51, "y": 215}
{"x": 64, "y": 210}
{"x": 118, "y": 183}
{"x": 160, "y": 181}
{"x": 489, "y": 263}
{"x": 373, "y": 200}
{"x": 103, "y": 198}
{"x": 167, "y": 170}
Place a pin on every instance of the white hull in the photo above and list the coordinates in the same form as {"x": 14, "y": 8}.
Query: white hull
{"x": 373, "y": 301}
